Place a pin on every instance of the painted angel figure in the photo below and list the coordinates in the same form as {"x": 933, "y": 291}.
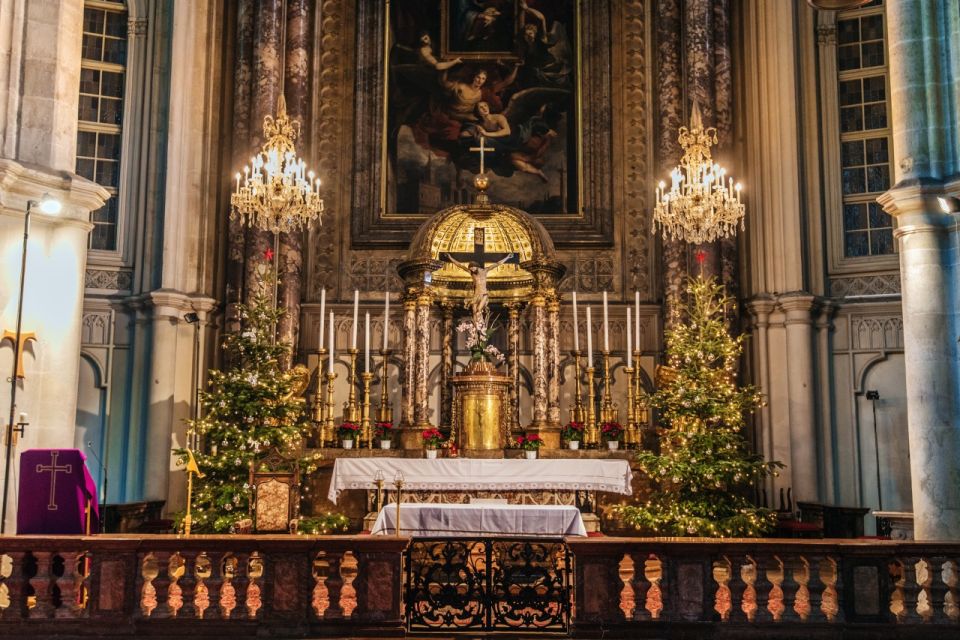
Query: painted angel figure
{"x": 480, "y": 300}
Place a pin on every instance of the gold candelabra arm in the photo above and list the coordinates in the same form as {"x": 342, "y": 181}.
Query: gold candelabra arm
{"x": 591, "y": 436}
{"x": 606, "y": 406}
{"x": 329, "y": 430}
{"x": 366, "y": 428}
{"x": 319, "y": 400}
{"x": 351, "y": 413}
{"x": 578, "y": 394}
{"x": 384, "y": 411}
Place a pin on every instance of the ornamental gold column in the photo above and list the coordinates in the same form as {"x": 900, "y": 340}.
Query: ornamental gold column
{"x": 553, "y": 364}
{"x": 539, "y": 304}
{"x": 446, "y": 364}
{"x": 421, "y": 409}
{"x": 513, "y": 337}
{"x": 409, "y": 365}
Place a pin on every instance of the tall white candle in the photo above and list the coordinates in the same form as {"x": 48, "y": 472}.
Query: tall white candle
{"x": 576, "y": 327}
{"x": 323, "y": 314}
{"x": 331, "y": 345}
{"x": 366, "y": 342}
{"x": 356, "y": 309}
{"x": 636, "y": 319}
{"x": 386, "y": 320}
{"x": 589, "y": 341}
{"x": 629, "y": 340}
{"x": 606, "y": 325}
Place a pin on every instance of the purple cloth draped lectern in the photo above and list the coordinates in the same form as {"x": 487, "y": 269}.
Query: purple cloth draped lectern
{"x": 55, "y": 488}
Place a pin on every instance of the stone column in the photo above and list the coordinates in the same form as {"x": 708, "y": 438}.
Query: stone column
{"x": 421, "y": 401}
{"x": 924, "y": 85}
{"x": 760, "y": 309}
{"x": 539, "y": 306}
{"x": 669, "y": 57}
{"x": 409, "y": 359}
{"x": 513, "y": 339}
{"x": 553, "y": 362}
{"x": 267, "y": 70}
{"x": 242, "y": 151}
{"x": 446, "y": 364}
{"x": 296, "y": 88}
{"x": 803, "y": 420}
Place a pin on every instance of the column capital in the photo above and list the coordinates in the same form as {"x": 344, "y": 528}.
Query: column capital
{"x": 798, "y": 306}
{"x": 760, "y": 308}
{"x": 915, "y": 204}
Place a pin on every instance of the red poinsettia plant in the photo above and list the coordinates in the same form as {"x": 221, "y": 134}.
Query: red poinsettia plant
{"x": 348, "y": 431}
{"x": 530, "y": 442}
{"x": 611, "y": 431}
{"x": 383, "y": 430}
{"x": 572, "y": 431}
{"x": 432, "y": 438}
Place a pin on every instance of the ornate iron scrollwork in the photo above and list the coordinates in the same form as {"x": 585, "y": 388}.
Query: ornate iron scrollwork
{"x": 488, "y": 585}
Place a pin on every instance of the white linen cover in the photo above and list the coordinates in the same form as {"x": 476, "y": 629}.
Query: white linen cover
{"x": 467, "y": 520}
{"x": 483, "y": 474}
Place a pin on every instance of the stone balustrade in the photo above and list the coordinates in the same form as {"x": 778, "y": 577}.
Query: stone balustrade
{"x": 348, "y": 586}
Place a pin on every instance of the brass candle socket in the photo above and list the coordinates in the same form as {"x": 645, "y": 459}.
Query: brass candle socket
{"x": 319, "y": 401}
{"x": 384, "y": 411}
{"x": 590, "y": 436}
{"x": 366, "y": 428}
{"x": 630, "y": 435}
{"x": 328, "y": 434}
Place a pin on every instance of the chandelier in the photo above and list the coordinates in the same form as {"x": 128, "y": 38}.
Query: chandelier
{"x": 700, "y": 205}
{"x": 276, "y": 193}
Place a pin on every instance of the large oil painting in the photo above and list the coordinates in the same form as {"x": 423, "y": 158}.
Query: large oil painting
{"x": 501, "y": 70}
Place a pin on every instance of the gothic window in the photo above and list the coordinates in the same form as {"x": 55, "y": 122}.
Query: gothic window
{"x": 865, "y": 135}
{"x": 100, "y": 114}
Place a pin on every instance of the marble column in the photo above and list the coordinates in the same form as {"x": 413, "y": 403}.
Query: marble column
{"x": 296, "y": 89}
{"x": 242, "y": 151}
{"x": 924, "y": 46}
{"x": 446, "y": 364}
{"x": 266, "y": 79}
{"x": 421, "y": 396}
{"x": 798, "y": 321}
{"x": 409, "y": 357}
{"x": 513, "y": 338}
{"x": 553, "y": 362}
{"x": 669, "y": 58}
{"x": 760, "y": 309}
{"x": 539, "y": 306}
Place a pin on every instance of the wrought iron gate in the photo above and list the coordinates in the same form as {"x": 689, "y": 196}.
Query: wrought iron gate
{"x": 487, "y": 585}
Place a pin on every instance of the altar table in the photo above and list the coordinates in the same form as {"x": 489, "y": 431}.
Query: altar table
{"x": 483, "y": 474}
{"x": 471, "y": 520}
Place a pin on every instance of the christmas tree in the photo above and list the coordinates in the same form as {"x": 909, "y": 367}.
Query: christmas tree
{"x": 705, "y": 468}
{"x": 250, "y": 408}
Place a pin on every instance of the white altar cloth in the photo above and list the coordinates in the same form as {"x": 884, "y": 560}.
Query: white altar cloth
{"x": 483, "y": 474}
{"x": 466, "y": 520}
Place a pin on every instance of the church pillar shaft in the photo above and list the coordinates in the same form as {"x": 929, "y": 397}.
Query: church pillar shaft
{"x": 539, "y": 362}
{"x": 513, "y": 337}
{"x": 921, "y": 36}
{"x": 421, "y": 409}
{"x": 553, "y": 362}
{"x": 804, "y": 470}
{"x": 267, "y": 69}
{"x": 296, "y": 89}
{"x": 670, "y": 117}
{"x": 409, "y": 359}
{"x": 242, "y": 87}
{"x": 446, "y": 366}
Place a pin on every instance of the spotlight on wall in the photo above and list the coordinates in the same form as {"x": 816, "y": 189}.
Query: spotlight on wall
{"x": 191, "y": 318}
{"x": 50, "y": 205}
{"x": 949, "y": 204}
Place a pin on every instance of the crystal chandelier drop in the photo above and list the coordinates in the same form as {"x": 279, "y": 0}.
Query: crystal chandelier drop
{"x": 275, "y": 192}
{"x": 702, "y": 203}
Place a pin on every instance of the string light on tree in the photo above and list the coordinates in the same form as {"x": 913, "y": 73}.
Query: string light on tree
{"x": 703, "y": 203}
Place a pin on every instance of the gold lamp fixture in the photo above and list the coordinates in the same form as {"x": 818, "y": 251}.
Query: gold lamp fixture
{"x": 703, "y": 204}
{"x": 276, "y": 192}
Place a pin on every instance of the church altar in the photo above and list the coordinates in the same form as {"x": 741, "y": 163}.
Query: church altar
{"x": 467, "y": 520}
{"x": 482, "y": 474}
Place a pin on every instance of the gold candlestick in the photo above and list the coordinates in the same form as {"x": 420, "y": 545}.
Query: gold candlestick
{"x": 630, "y": 437}
{"x": 641, "y": 409}
{"x": 590, "y": 436}
{"x": 330, "y": 428}
{"x": 606, "y": 405}
{"x": 398, "y": 483}
{"x": 384, "y": 411}
{"x": 351, "y": 411}
{"x": 378, "y": 480}
{"x": 366, "y": 429}
{"x": 319, "y": 403}
{"x": 578, "y": 396}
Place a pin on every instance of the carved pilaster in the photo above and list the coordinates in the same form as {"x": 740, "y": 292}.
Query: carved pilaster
{"x": 553, "y": 362}
{"x": 539, "y": 305}
{"x": 513, "y": 337}
{"x": 421, "y": 410}
{"x": 446, "y": 364}
{"x": 409, "y": 349}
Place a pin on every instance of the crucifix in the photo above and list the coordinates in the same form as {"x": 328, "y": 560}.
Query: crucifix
{"x": 53, "y": 469}
{"x": 482, "y": 149}
{"x": 475, "y": 263}
{"x": 25, "y": 336}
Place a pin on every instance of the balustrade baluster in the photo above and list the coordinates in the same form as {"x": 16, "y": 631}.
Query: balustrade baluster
{"x": 41, "y": 583}
{"x": 762, "y": 587}
{"x": 641, "y": 586}
{"x": 70, "y": 585}
{"x": 737, "y": 586}
{"x": 188, "y": 585}
{"x": 15, "y": 582}
{"x": 937, "y": 589}
{"x": 951, "y": 598}
{"x": 334, "y": 584}
{"x": 161, "y": 585}
{"x": 789, "y": 586}
{"x": 830, "y": 596}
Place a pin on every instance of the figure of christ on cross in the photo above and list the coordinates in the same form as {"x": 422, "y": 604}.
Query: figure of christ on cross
{"x": 475, "y": 264}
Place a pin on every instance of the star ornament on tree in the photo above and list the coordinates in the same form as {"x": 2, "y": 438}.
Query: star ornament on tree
{"x": 268, "y": 254}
